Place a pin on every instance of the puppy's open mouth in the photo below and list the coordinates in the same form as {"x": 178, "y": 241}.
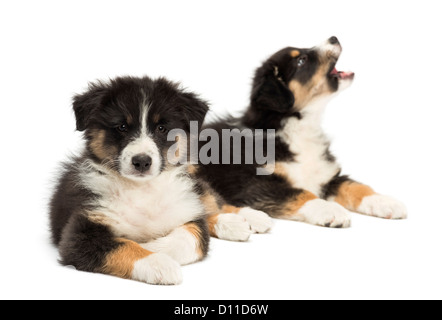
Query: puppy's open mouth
{"x": 341, "y": 74}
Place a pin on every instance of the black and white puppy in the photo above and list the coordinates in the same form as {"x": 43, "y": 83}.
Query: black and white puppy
{"x": 290, "y": 92}
{"x": 120, "y": 208}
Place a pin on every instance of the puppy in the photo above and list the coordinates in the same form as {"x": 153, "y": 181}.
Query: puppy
{"x": 122, "y": 207}
{"x": 290, "y": 92}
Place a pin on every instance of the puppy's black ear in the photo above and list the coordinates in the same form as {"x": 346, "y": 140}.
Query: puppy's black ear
{"x": 195, "y": 109}
{"x": 86, "y": 104}
{"x": 270, "y": 92}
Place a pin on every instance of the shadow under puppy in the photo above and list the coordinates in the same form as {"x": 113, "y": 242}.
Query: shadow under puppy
{"x": 121, "y": 208}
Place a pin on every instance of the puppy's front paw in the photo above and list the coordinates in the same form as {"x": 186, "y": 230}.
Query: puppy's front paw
{"x": 259, "y": 221}
{"x": 157, "y": 268}
{"x": 324, "y": 213}
{"x": 181, "y": 245}
{"x": 383, "y": 207}
{"x": 233, "y": 227}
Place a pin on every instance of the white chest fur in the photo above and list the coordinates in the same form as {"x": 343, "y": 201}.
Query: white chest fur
{"x": 311, "y": 169}
{"x": 142, "y": 212}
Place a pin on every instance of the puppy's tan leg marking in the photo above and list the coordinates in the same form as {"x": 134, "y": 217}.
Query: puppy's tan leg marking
{"x": 131, "y": 261}
{"x": 307, "y": 207}
{"x": 230, "y": 209}
{"x": 291, "y": 208}
{"x": 350, "y": 194}
{"x": 362, "y": 199}
{"x": 196, "y": 232}
{"x": 120, "y": 262}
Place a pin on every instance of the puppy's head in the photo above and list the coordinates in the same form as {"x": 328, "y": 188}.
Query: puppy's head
{"x": 126, "y": 122}
{"x": 293, "y": 78}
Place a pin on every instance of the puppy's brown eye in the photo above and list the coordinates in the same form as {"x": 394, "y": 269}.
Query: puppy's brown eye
{"x": 122, "y": 128}
{"x": 161, "y": 129}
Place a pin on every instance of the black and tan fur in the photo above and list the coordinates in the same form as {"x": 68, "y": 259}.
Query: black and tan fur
{"x": 121, "y": 207}
{"x": 289, "y": 93}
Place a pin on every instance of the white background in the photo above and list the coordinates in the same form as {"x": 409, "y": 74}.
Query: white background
{"x": 386, "y": 131}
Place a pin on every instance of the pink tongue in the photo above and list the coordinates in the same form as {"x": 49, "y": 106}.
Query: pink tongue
{"x": 334, "y": 72}
{"x": 345, "y": 75}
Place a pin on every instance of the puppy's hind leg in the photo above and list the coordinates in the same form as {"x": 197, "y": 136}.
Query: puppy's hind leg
{"x": 361, "y": 198}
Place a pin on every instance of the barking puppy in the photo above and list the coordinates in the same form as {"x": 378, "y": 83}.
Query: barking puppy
{"x": 121, "y": 207}
{"x": 290, "y": 92}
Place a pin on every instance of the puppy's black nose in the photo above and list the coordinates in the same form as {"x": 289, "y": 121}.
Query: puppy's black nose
{"x": 333, "y": 40}
{"x": 142, "y": 162}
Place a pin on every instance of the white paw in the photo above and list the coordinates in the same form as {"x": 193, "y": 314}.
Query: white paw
{"x": 383, "y": 207}
{"x": 259, "y": 221}
{"x": 232, "y": 227}
{"x": 324, "y": 213}
{"x": 180, "y": 245}
{"x": 157, "y": 268}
